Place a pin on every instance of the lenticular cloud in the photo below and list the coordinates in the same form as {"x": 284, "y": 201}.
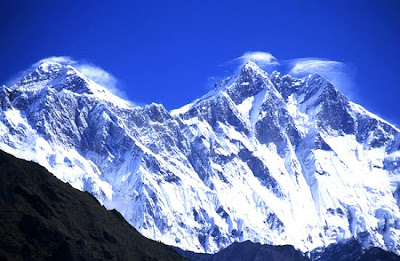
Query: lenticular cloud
{"x": 261, "y": 58}
{"x": 304, "y": 66}
{"x": 335, "y": 72}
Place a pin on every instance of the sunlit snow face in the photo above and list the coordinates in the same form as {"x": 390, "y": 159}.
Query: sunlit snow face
{"x": 248, "y": 160}
{"x": 338, "y": 73}
{"x": 89, "y": 70}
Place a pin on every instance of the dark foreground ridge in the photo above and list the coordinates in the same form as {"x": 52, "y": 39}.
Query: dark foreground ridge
{"x": 352, "y": 251}
{"x": 249, "y": 251}
{"x": 42, "y": 218}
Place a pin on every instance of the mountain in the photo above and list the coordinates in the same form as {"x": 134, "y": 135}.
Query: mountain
{"x": 351, "y": 250}
{"x": 42, "y": 218}
{"x": 249, "y": 251}
{"x": 261, "y": 157}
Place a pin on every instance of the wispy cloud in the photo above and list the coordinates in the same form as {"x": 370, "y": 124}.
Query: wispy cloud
{"x": 99, "y": 76}
{"x": 339, "y": 74}
{"x": 305, "y": 66}
{"x": 265, "y": 60}
{"x": 335, "y": 72}
{"x": 260, "y": 58}
{"x": 93, "y": 72}
{"x": 56, "y": 59}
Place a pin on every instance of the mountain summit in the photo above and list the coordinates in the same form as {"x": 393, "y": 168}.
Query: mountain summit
{"x": 267, "y": 158}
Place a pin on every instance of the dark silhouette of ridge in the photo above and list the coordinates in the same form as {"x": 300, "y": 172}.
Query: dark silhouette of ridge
{"x": 248, "y": 251}
{"x": 42, "y": 218}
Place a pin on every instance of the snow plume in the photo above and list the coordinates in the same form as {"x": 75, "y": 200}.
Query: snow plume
{"x": 99, "y": 76}
{"x": 260, "y": 58}
{"x": 337, "y": 73}
{"x": 93, "y": 72}
{"x": 55, "y": 59}
{"x": 89, "y": 70}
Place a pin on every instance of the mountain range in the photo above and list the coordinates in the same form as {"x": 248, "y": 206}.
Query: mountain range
{"x": 42, "y": 218}
{"x": 262, "y": 157}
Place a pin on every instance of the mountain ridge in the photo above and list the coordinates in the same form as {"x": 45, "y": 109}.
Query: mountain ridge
{"x": 237, "y": 160}
{"x": 43, "y": 218}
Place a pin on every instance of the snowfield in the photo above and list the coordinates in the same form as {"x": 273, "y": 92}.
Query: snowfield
{"x": 266, "y": 158}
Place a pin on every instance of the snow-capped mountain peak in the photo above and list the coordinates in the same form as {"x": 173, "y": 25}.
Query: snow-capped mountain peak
{"x": 269, "y": 158}
{"x": 249, "y": 80}
{"x": 64, "y": 77}
{"x": 252, "y": 68}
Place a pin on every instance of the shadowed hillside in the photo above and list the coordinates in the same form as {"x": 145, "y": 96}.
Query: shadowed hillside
{"x": 249, "y": 251}
{"x": 42, "y": 218}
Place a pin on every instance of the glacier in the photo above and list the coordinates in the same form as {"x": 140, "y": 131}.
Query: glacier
{"x": 263, "y": 157}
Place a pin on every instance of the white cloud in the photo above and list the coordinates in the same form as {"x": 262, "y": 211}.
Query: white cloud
{"x": 102, "y": 77}
{"x": 56, "y": 59}
{"x": 99, "y": 76}
{"x": 305, "y": 66}
{"x": 260, "y": 58}
{"x": 335, "y": 72}
{"x": 93, "y": 72}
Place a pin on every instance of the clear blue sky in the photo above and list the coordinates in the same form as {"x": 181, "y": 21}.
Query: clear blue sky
{"x": 166, "y": 51}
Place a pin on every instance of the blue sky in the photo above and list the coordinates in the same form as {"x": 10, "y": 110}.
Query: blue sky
{"x": 171, "y": 52}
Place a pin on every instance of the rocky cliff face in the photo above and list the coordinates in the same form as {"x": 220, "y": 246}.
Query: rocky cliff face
{"x": 267, "y": 158}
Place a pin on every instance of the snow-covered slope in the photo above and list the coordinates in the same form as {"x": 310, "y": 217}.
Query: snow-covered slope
{"x": 268, "y": 158}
